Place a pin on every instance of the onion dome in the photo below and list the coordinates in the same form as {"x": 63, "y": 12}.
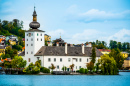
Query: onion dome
{"x": 34, "y": 24}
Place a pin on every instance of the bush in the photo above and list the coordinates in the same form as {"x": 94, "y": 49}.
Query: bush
{"x": 82, "y": 70}
{"x": 86, "y": 71}
{"x": 45, "y": 70}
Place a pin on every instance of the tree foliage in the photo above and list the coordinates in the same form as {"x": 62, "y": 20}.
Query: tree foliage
{"x": 64, "y": 68}
{"x": 52, "y": 67}
{"x": 108, "y": 65}
{"x": 93, "y": 55}
{"x": 90, "y": 66}
{"x": 115, "y": 53}
{"x": 18, "y": 62}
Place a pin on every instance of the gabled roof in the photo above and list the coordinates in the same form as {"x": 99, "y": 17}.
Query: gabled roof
{"x": 60, "y": 51}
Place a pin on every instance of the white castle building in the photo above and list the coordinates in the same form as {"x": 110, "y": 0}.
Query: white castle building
{"x": 60, "y": 56}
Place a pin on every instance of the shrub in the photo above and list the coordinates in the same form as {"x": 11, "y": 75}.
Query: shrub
{"x": 82, "y": 70}
{"x": 45, "y": 70}
{"x": 86, "y": 71}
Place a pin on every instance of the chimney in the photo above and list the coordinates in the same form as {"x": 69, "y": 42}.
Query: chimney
{"x": 65, "y": 48}
{"x": 57, "y": 44}
{"x": 83, "y": 48}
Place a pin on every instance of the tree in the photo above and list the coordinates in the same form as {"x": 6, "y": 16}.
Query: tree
{"x": 18, "y": 62}
{"x": 108, "y": 65}
{"x": 38, "y": 63}
{"x": 72, "y": 66}
{"x": 82, "y": 70}
{"x": 90, "y": 66}
{"x": 93, "y": 55}
{"x": 64, "y": 68}
{"x": 115, "y": 53}
{"x": 52, "y": 67}
{"x": 97, "y": 67}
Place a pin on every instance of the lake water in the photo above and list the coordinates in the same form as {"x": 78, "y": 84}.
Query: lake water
{"x": 66, "y": 80}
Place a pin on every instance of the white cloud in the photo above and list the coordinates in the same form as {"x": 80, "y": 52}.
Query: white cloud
{"x": 122, "y": 36}
{"x": 95, "y": 15}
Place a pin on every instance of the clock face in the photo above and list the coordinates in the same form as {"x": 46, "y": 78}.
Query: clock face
{"x": 29, "y": 34}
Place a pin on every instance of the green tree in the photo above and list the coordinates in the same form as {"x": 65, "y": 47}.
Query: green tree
{"x": 38, "y": 63}
{"x": 108, "y": 65}
{"x": 64, "y": 68}
{"x": 115, "y": 53}
{"x": 82, "y": 70}
{"x": 90, "y": 66}
{"x": 18, "y": 62}
{"x": 93, "y": 55}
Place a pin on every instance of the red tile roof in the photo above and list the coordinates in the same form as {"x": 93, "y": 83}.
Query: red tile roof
{"x": 104, "y": 50}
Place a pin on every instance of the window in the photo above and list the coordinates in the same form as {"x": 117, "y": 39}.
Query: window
{"x": 41, "y": 34}
{"x": 27, "y": 52}
{"x": 29, "y": 59}
{"x": 80, "y": 59}
{"x": 31, "y": 39}
{"x": 31, "y": 44}
{"x": 57, "y": 66}
{"x": 87, "y": 59}
{"x": 76, "y": 67}
{"x": 37, "y": 39}
{"x": 41, "y": 39}
{"x": 79, "y": 67}
{"x": 76, "y": 60}
{"x": 27, "y": 44}
{"x": 27, "y": 34}
{"x": 32, "y": 34}
{"x": 49, "y": 59}
{"x": 27, "y": 39}
{"x": 69, "y": 59}
{"x": 38, "y": 58}
{"x": 54, "y": 59}
{"x": 37, "y": 34}
{"x": 60, "y": 59}
{"x": 31, "y": 52}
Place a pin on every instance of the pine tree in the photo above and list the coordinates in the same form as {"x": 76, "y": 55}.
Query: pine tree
{"x": 93, "y": 55}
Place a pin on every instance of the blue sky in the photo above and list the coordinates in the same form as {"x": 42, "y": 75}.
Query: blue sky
{"x": 78, "y": 21}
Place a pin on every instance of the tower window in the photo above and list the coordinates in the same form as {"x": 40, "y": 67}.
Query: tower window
{"x": 37, "y": 34}
{"x": 27, "y": 39}
{"x": 27, "y": 44}
{"x": 31, "y": 39}
{"x": 31, "y": 52}
{"x": 41, "y": 34}
{"x": 31, "y": 44}
{"x": 27, "y": 34}
{"x": 37, "y": 39}
{"x": 41, "y": 39}
{"x": 27, "y": 52}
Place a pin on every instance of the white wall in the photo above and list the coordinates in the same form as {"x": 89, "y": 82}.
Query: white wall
{"x": 36, "y": 45}
{"x": 65, "y": 62}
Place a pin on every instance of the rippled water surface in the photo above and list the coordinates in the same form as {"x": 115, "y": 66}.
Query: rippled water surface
{"x": 66, "y": 80}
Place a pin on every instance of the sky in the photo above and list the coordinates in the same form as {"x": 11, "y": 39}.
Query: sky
{"x": 78, "y": 21}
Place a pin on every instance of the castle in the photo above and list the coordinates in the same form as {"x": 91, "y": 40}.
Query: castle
{"x": 60, "y": 56}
